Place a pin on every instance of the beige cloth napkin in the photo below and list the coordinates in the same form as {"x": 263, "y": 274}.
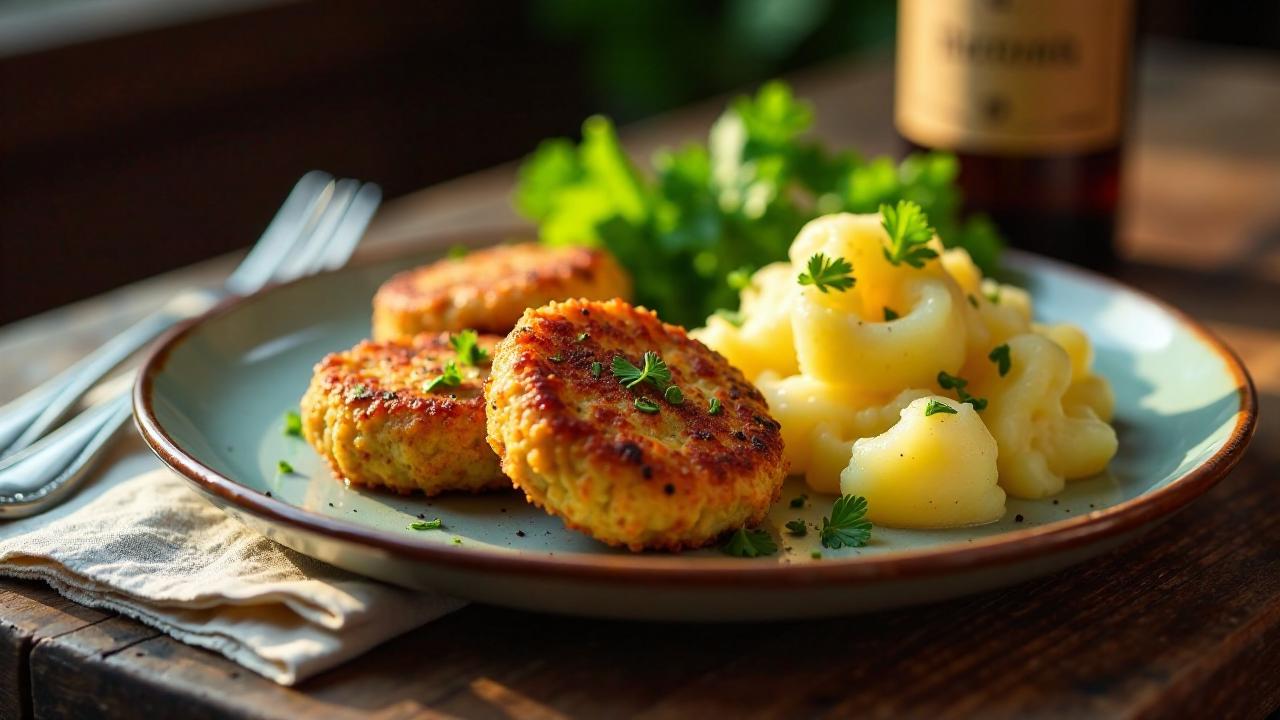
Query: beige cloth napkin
{"x": 140, "y": 542}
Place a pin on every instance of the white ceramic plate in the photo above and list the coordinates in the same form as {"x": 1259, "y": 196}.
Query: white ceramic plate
{"x": 210, "y": 401}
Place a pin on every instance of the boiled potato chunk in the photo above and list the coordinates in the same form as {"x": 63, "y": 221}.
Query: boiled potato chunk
{"x": 1087, "y": 390}
{"x": 1041, "y": 444}
{"x": 928, "y": 471}
{"x": 839, "y": 347}
{"x": 763, "y": 342}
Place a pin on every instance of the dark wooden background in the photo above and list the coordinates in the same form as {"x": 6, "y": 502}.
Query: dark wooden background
{"x": 130, "y": 155}
{"x": 143, "y": 151}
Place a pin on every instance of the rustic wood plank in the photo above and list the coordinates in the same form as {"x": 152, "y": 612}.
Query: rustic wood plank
{"x": 31, "y": 611}
{"x": 1185, "y": 619}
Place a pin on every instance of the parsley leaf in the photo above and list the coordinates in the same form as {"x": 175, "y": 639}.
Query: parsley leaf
{"x": 909, "y": 230}
{"x": 797, "y": 528}
{"x": 292, "y": 424}
{"x": 890, "y": 315}
{"x": 359, "y": 392}
{"x": 749, "y": 543}
{"x": 596, "y": 368}
{"x": 799, "y": 501}
{"x": 948, "y": 381}
{"x": 933, "y": 407}
{"x": 1000, "y": 356}
{"x": 993, "y": 296}
{"x": 674, "y": 395}
{"x": 654, "y": 370}
{"x": 835, "y": 273}
{"x": 466, "y": 344}
{"x": 426, "y": 524}
{"x": 451, "y": 377}
{"x": 647, "y": 406}
{"x": 284, "y": 468}
{"x": 739, "y": 279}
{"x": 848, "y": 525}
{"x": 713, "y": 406}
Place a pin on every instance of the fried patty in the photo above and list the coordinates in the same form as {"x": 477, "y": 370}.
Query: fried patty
{"x": 489, "y": 289}
{"x": 571, "y": 437}
{"x": 368, "y": 414}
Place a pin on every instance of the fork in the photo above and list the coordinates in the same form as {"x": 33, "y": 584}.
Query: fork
{"x": 316, "y": 229}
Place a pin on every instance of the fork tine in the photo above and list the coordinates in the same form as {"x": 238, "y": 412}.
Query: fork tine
{"x": 351, "y": 229}
{"x": 290, "y": 226}
{"x": 302, "y": 260}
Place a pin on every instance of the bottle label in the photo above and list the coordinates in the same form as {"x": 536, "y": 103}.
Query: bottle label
{"x": 1012, "y": 76}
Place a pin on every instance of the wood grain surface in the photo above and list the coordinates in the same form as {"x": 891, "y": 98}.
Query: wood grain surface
{"x": 1183, "y": 622}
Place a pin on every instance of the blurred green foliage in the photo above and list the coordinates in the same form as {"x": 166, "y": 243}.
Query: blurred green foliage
{"x": 706, "y": 215}
{"x": 644, "y": 56}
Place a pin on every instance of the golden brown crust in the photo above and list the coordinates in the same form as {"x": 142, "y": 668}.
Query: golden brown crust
{"x": 578, "y": 447}
{"x": 489, "y": 289}
{"x": 368, "y": 415}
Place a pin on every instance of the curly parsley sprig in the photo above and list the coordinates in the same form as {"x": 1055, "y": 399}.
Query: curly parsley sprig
{"x": 467, "y": 345}
{"x": 1000, "y": 356}
{"x": 749, "y": 543}
{"x": 654, "y": 370}
{"x": 848, "y": 525}
{"x": 947, "y": 381}
{"x": 835, "y": 273}
{"x": 451, "y": 377}
{"x": 909, "y": 231}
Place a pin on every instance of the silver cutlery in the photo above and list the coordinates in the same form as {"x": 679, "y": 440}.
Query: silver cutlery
{"x": 316, "y": 229}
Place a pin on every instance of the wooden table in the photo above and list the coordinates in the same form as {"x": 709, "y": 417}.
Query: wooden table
{"x": 1184, "y": 621}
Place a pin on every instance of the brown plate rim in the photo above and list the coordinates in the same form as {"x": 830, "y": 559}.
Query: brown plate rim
{"x": 1019, "y": 545}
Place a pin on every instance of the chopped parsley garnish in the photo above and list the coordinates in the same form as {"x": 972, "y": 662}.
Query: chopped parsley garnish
{"x": 457, "y": 540}
{"x": 359, "y": 392}
{"x": 596, "y": 369}
{"x": 426, "y": 524}
{"x": 645, "y": 405}
{"x": 994, "y": 295}
{"x": 713, "y": 406}
{"x": 292, "y": 424}
{"x": 1000, "y": 356}
{"x": 451, "y": 377}
{"x": 797, "y": 528}
{"x": 284, "y": 468}
{"x": 466, "y": 344}
{"x": 654, "y": 370}
{"x": 951, "y": 382}
{"x": 749, "y": 543}
{"x": 909, "y": 231}
{"x": 674, "y": 395}
{"x": 816, "y": 554}
{"x": 848, "y": 525}
{"x": 457, "y": 252}
{"x": 733, "y": 317}
{"x": 799, "y": 501}
{"x": 933, "y": 407}
{"x": 890, "y": 315}
{"x": 835, "y": 273}
{"x": 557, "y": 358}
{"x": 583, "y": 336}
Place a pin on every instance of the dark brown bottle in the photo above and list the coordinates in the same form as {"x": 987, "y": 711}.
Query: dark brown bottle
{"x": 1030, "y": 96}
